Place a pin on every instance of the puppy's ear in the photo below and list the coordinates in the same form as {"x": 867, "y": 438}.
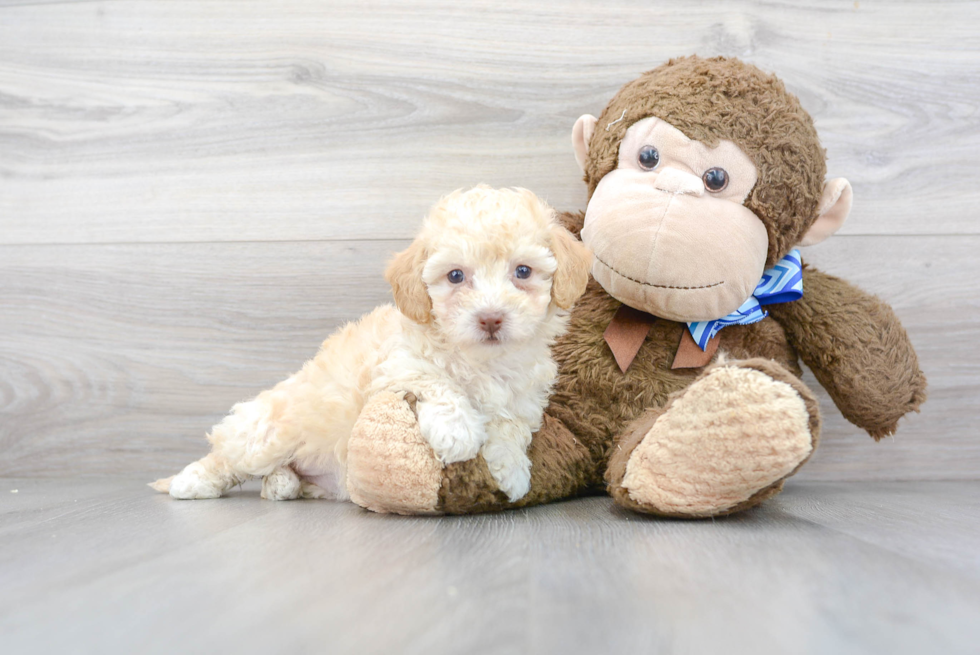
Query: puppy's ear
{"x": 574, "y": 261}
{"x": 404, "y": 274}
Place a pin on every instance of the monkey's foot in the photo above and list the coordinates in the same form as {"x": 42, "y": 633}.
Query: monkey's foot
{"x": 724, "y": 444}
{"x": 390, "y": 466}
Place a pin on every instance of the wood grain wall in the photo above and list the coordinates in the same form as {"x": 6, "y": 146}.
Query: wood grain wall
{"x": 193, "y": 194}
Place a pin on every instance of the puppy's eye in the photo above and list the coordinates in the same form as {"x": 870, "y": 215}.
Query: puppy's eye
{"x": 456, "y": 276}
{"x": 649, "y": 157}
{"x": 522, "y": 272}
{"x": 715, "y": 179}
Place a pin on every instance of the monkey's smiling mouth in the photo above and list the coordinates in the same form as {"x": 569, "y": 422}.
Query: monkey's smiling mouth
{"x": 658, "y": 286}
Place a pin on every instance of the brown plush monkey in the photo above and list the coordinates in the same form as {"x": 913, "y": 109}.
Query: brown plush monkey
{"x": 703, "y": 176}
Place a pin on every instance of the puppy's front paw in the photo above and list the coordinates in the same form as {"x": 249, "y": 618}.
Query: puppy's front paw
{"x": 454, "y": 434}
{"x": 511, "y": 468}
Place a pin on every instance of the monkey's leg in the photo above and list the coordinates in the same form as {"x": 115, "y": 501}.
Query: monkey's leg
{"x": 391, "y": 468}
{"x": 723, "y": 444}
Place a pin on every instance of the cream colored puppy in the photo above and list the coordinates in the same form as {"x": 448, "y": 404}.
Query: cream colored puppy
{"x": 483, "y": 292}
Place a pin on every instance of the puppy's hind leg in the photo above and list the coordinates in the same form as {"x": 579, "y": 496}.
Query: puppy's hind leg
{"x": 282, "y": 484}
{"x": 246, "y": 443}
{"x": 208, "y": 477}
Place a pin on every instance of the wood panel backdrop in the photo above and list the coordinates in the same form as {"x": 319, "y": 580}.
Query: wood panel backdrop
{"x": 194, "y": 194}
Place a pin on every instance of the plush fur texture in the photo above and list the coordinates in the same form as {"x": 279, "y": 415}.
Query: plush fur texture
{"x": 713, "y": 99}
{"x": 694, "y": 459}
{"x": 701, "y": 442}
{"x": 690, "y": 459}
{"x": 666, "y": 245}
{"x": 857, "y": 349}
{"x": 483, "y": 292}
{"x": 398, "y": 470}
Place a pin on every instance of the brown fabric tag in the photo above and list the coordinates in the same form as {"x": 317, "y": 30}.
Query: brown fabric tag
{"x": 626, "y": 333}
{"x": 690, "y": 355}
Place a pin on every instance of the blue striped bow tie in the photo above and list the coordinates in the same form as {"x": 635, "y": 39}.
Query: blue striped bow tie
{"x": 781, "y": 283}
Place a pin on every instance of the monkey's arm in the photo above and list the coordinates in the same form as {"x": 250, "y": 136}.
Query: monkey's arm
{"x": 857, "y": 349}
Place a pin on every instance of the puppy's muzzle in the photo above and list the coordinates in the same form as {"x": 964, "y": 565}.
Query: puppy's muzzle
{"x": 491, "y": 323}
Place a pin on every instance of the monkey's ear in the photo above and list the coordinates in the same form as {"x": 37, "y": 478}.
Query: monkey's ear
{"x": 404, "y": 274}
{"x": 574, "y": 262}
{"x": 835, "y": 205}
{"x": 581, "y": 135}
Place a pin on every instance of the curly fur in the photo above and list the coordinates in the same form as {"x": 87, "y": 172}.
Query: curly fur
{"x": 720, "y": 98}
{"x": 479, "y": 390}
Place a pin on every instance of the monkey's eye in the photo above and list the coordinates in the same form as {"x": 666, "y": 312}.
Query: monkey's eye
{"x": 649, "y": 157}
{"x": 456, "y": 276}
{"x": 715, "y": 179}
{"x": 522, "y": 272}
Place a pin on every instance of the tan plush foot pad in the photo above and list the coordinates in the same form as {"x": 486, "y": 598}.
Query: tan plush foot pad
{"x": 390, "y": 467}
{"x": 733, "y": 433}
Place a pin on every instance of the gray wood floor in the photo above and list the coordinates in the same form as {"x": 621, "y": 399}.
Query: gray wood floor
{"x": 108, "y": 567}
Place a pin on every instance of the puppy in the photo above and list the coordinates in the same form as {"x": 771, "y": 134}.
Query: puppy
{"x": 481, "y": 295}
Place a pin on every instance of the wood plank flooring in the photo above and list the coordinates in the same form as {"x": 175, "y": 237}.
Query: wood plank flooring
{"x": 194, "y": 194}
{"x": 204, "y": 121}
{"x": 120, "y": 357}
{"x": 101, "y": 566}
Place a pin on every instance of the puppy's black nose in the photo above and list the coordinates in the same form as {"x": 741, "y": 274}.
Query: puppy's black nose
{"x": 490, "y": 322}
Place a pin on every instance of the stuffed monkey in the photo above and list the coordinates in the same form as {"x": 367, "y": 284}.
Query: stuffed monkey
{"x": 679, "y": 387}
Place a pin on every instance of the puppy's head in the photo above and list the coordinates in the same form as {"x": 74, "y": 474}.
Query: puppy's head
{"x": 491, "y": 266}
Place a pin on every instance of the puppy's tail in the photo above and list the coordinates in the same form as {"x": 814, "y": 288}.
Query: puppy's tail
{"x": 162, "y": 485}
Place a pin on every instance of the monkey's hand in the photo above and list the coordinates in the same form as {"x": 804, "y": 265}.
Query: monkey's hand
{"x": 857, "y": 349}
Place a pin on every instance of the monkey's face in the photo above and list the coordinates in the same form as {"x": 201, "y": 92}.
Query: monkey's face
{"x": 668, "y": 227}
